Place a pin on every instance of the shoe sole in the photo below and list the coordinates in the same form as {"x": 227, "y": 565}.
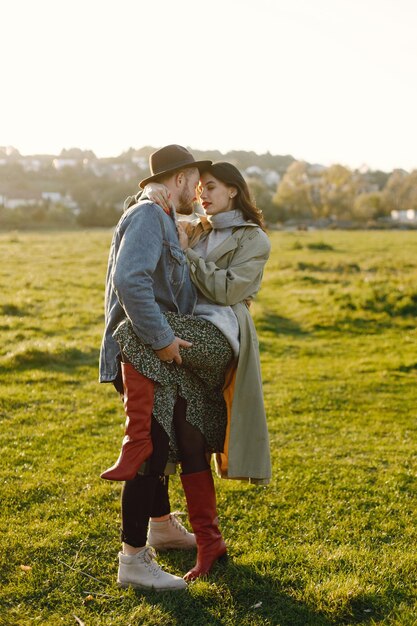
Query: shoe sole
{"x": 144, "y": 587}
{"x": 163, "y": 548}
{"x": 222, "y": 561}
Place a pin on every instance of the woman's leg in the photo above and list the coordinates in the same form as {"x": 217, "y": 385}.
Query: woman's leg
{"x": 191, "y": 442}
{"x": 198, "y": 485}
{"x": 165, "y": 529}
{"x": 137, "y": 444}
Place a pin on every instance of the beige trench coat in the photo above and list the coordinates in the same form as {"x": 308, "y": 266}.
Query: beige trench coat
{"x": 231, "y": 274}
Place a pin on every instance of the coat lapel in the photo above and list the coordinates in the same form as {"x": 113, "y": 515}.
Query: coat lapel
{"x": 226, "y": 246}
{"x": 231, "y": 243}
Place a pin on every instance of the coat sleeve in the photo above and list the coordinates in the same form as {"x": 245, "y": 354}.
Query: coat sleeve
{"x": 242, "y": 277}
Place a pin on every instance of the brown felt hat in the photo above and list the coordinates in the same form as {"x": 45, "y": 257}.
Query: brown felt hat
{"x": 169, "y": 159}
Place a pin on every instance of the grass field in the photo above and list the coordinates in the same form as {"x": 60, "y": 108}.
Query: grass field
{"x": 332, "y": 540}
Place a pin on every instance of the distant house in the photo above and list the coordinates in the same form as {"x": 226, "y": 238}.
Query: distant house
{"x": 114, "y": 170}
{"x": 56, "y": 197}
{"x": 120, "y": 171}
{"x": 30, "y": 164}
{"x": 96, "y": 167}
{"x": 254, "y": 170}
{"x": 404, "y": 216}
{"x": 15, "y": 199}
{"x": 141, "y": 162}
{"x": 21, "y": 199}
{"x": 269, "y": 177}
{"x": 60, "y": 163}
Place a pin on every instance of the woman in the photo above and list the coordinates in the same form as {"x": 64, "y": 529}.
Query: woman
{"x": 226, "y": 250}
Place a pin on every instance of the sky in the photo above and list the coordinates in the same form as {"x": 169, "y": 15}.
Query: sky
{"x": 326, "y": 81}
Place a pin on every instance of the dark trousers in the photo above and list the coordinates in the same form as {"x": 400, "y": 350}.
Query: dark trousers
{"x": 147, "y": 496}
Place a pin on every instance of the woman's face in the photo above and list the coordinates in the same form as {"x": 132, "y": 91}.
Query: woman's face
{"x": 215, "y": 196}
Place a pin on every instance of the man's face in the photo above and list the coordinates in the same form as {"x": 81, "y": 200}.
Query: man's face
{"x": 189, "y": 192}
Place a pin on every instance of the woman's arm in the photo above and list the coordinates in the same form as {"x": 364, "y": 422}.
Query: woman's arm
{"x": 159, "y": 194}
{"x": 241, "y": 280}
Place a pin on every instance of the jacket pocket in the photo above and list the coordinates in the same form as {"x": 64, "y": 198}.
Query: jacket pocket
{"x": 177, "y": 254}
{"x": 177, "y": 263}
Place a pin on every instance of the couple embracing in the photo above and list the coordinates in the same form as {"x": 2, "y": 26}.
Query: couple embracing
{"x": 180, "y": 347}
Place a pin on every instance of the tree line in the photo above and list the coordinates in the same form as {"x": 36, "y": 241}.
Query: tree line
{"x": 340, "y": 194}
{"x": 285, "y": 189}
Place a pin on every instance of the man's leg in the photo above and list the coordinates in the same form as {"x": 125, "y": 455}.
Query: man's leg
{"x": 138, "y": 494}
{"x": 137, "y": 564}
{"x": 199, "y": 491}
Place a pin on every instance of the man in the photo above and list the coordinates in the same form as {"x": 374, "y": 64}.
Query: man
{"x": 148, "y": 275}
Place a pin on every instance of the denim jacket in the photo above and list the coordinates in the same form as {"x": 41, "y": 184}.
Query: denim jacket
{"x": 147, "y": 274}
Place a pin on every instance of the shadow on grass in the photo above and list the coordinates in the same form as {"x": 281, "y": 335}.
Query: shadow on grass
{"x": 248, "y": 595}
{"x": 13, "y": 310}
{"x": 233, "y": 594}
{"x": 252, "y": 596}
{"x": 59, "y": 361}
{"x": 358, "y": 326}
{"x": 340, "y": 268}
{"x": 270, "y": 322}
{"x": 406, "y": 369}
{"x": 23, "y": 500}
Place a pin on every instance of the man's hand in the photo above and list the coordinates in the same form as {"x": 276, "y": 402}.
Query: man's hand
{"x": 172, "y": 352}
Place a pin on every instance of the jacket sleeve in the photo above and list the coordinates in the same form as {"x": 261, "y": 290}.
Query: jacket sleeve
{"x": 240, "y": 280}
{"x": 138, "y": 255}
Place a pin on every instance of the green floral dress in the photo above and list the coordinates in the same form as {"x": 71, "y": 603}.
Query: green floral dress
{"x": 199, "y": 380}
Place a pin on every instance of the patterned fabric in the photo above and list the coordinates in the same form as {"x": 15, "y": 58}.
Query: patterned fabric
{"x": 199, "y": 380}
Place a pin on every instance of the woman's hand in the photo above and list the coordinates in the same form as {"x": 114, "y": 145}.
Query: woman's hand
{"x": 182, "y": 235}
{"x": 159, "y": 194}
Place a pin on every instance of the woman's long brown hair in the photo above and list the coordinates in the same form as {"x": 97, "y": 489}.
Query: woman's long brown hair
{"x": 230, "y": 176}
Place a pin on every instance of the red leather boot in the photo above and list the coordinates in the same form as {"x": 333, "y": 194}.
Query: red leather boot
{"x": 202, "y": 513}
{"x": 137, "y": 442}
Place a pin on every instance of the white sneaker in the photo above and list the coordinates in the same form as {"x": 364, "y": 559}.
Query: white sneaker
{"x": 143, "y": 572}
{"x": 170, "y": 534}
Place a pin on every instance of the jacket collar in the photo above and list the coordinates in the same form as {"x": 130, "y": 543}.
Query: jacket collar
{"x": 231, "y": 243}
{"x": 207, "y": 226}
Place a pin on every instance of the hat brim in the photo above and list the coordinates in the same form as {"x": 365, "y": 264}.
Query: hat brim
{"x": 201, "y": 165}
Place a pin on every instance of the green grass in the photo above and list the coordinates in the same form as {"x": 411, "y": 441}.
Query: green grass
{"x": 332, "y": 540}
